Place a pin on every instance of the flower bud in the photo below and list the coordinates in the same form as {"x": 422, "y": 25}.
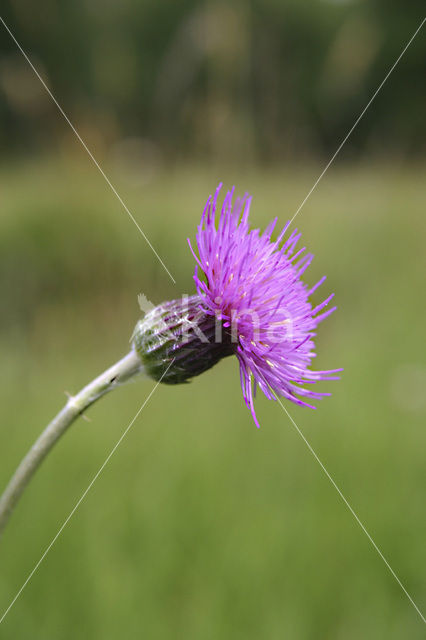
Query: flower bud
{"x": 179, "y": 340}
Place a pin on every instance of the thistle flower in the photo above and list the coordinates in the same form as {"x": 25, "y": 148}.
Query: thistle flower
{"x": 251, "y": 302}
{"x": 178, "y": 340}
{"x": 254, "y": 285}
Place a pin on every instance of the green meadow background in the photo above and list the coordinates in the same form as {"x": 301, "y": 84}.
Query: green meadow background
{"x": 201, "y": 525}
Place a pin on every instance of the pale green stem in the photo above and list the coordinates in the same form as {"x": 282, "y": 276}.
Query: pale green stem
{"x": 119, "y": 373}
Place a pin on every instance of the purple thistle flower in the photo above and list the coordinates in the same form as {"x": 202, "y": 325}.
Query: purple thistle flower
{"x": 253, "y": 285}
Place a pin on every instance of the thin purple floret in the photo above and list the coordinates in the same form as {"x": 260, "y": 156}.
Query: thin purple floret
{"x": 253, "y": 284}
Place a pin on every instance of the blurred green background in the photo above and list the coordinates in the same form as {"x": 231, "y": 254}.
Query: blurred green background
{"x": 202, "y": 526}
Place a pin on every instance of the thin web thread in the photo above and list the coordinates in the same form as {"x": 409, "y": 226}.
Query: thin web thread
{"x": 345, "y": 139}
{"x": 146, "y": 239}
{"x": 352, "y": 511}
{"x": 107, "y": 180}
{"x": 84, "y": 494}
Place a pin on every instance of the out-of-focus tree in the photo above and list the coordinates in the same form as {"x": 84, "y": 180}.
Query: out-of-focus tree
{"x": 259, "y": 80}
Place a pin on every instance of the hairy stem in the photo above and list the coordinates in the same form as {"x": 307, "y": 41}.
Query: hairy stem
{"x": 119, "y": 373}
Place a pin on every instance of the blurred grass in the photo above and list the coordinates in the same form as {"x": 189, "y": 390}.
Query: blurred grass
{"x": 202, "y": 526}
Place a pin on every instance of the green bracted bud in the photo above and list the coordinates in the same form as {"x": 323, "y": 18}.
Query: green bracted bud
{"x": 178, "y": 340}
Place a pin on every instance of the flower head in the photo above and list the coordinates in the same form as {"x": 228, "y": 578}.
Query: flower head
{"x": 253, "y": 285}
{"x": 176, "y": 341}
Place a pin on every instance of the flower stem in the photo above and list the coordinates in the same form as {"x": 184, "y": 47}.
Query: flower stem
{"x": 119, "y": 373}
